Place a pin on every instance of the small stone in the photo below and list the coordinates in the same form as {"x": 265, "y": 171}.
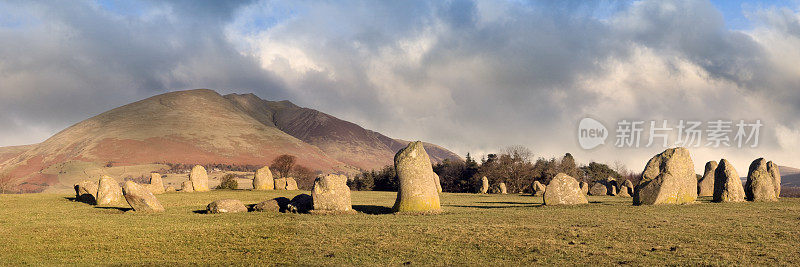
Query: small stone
{"x": 279, "y": 204}
{"x": 187, "y": 186}
{"x": 417, "y": 191}
{"x": 86, "y": 192}
{"x": 156, "y": 185}
{"x": 291, "y": 184}
{"x": 503, "y": 189}
{"x": 263, "y": 179}
{"x": 484, "y": 185}
{"x": 108, "y": 191}
{"x": 226, "y": 206}
{"x": 331, "y": 194}
{"x": 727, "y": 184}
{"x": 199, "y": 178}
{"x": 538, "y": 189}
{"x": 705, "y": 186}
{"x": 140, "y": 198}
{"x": 759, "y": 185}
{"x": 564, "y": 190}
{"x": 598, "y": 189}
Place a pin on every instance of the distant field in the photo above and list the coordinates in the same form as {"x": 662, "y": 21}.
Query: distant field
{"x": 474, "y": 230}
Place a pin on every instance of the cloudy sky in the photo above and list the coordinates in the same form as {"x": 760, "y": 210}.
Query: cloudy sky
{"x": 473, "y": 76}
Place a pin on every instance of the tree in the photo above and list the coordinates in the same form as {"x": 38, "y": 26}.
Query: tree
{"x": 6, "y": 183}
{"x": 304, "y": 177}
{"x": 283, "y": 164}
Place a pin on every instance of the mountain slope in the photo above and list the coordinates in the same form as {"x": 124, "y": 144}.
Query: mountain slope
{"x": 790, "y": 176}
{"x": 201, "y": 127}
{"x": 342, "y": 140}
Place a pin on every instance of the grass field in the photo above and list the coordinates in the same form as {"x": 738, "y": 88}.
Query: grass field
{"x": 47, "y": 229}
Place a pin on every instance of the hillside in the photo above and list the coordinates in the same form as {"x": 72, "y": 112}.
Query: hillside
{"x": 790, "y": 176}
{"x": 195, "y": 127}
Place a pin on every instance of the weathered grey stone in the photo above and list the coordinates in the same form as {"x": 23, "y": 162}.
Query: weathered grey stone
{"x": 280, "y": 183}
{"x": 564, "y": 190}
{"x": 187, "y": 186}
{"x": 598, "y": 189}
{"x": 705, "y": 186}
{"x": 538, "y": 189}
{"x": 302, "y": 203}
{"x": 279, "y": 204}
{"x": 108, "y": 191}
{"x": 484, "y": 185}
{"x": 759, "y": 185}
{"x": 226, "y": 206}
{"x": 199, "y": 178}
{"x": 417, "y": 192}
{"x": 629, "y": 185}
{"x": 668, "y": 178}
{"x": 437, "y": 182}
{"x": 140, "y": 198}
{"x": 727, "y": 184}
{"x": 776, "y": 177}
{"x": 331, "y": 194}
{"x": 263, "y": 179}
{"x": 584, "y": 188}
{"x": 623, "y": 191}
{"x": 86, "y": 192}
{"x": 503, "y": 189}
{"x": 291, "y": 184}
{"x": 156, "y": 185}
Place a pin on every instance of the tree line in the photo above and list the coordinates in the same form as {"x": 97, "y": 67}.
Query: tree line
{"x": 513, "y": 166}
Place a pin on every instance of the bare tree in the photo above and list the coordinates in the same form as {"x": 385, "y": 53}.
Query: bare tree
{"x": 620, "y": 168}
{"x": 518, "y": 153}
{"x": 6, "y": 183}
{"x": 283, "y": 164}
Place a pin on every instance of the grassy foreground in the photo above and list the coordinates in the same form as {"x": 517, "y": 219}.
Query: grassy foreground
{"x": 474, "y": 230}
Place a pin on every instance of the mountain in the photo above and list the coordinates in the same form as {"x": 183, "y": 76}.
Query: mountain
{"x": 202, "y": 127}
{"x": 790, "y": 177}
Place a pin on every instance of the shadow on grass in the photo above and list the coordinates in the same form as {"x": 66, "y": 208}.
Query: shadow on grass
{"x": 507, "y": 202}
{"x": 201, "y": 211}
{"x": 498, "y": 207}
{"x": 373, "y": 209}
{"x": 114, "y": 208}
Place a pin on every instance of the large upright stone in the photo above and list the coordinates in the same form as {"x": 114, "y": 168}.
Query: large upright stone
{"x": 280, "y": 183}
{"x": 187, "y": 187}
{"x": 776, "y": 177}
{"x": 668, "y": 178}
{"x": 331, "y": 194}
{"x": 564, "y": 190}
{"x": 199, "y": 178}
{"x": 484, "y": 185}
{"x": 291, "y": 184}
{"x": 630, "y": 187}
{"x": 86, "y": 192}
{"x": 759, "y": 185}
{"x": 156, "y": 184}
{"x": 140, "y": 198}
{"x": 108, "y": 191}
{"x": 727, "y": 184}
{"x": 598, "y": 189}
{"x": 263, "y": 179}
{"x": 623, "y": 191}
{"x": 503, "y": 188}
{"x": 705, "y": 186}
{"x": 538, "y": 189}
{"x": 417, "y": 192}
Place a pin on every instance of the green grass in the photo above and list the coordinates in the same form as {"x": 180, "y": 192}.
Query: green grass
{"x": 47, "y": 229}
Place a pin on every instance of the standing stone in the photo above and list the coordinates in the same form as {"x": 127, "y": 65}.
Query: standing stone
{"x": 503, "y": 189}
{"x": 302, "y": 203}
{"x": 156, "y": 184}
{"x": 187, "y": 186}
{"x": 437, "y": 182}
{"x": 623, "y": 191}
{"x": 86, "y": 192}
{"x": 484, "y": 185}
{"x": 263, "y": 179}
{"x": 598, "y": 189}
{"x": 613, "y": 191}
{"x": 140, "y": 198}
{"x": 199, "y": 178}
{"x": 291, "y": 184}
{"x": 226, "y": 206}
{"x": 668, "y": 178}
{"x": 705, "y": 186}
{"x": 564, "y": 190}
{"x": 629, "y": 185}
{"x": 776, "y": 177}
{"x": 584, "y": 188}
{"x": 538, "y": 189}
{"x": 331, "y": 194}
{"x": 280, "y": 183}
{"x": 108, "y": 191}
{"x": 759, "y": 185}
{"x": 417, "y": 192}
{"x": 611, "y": 185}
{"x": 727, "y": 184}
{"x": 170, "y": 189}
